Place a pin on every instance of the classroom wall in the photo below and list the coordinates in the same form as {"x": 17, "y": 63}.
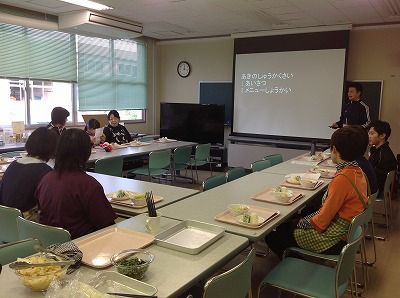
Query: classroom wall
{"x": 210, "y": 59}
{"x": 374, "y": 54}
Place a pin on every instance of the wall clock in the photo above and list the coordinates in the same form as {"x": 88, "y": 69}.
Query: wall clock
{"x": 183, "y": 69}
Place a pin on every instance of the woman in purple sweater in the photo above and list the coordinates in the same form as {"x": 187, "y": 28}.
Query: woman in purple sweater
{"x": 68, "y": 197}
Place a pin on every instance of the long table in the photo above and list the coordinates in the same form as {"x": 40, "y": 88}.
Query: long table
{"x": 169, "y": 193}
{"x": 136, "y": 151}
{"x": 206, "y": 205}
{"x": 172, "y": 272}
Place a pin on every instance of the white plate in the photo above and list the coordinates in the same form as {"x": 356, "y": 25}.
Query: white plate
{"x": 260, "y": 221}
{"x": 130, "y": 195}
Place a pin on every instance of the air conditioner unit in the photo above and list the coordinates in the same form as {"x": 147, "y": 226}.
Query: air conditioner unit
{"x": 95, "y": 24}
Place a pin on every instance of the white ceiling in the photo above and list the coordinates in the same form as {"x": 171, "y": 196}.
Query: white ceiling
{"x": 174, "y": 19}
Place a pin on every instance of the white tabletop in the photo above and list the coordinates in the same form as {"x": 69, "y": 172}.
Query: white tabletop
{"x": 287, "y": 167}
{"x": 169, "y": 193}
{"x": 206, "y": 205}
{"x": 134, "y": 151}
{"x": 172, "y": 272}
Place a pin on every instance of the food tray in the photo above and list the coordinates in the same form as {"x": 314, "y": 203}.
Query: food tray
{"x": 165, "y": 140}
{"x": 266, "y": 213}
{"x": 138, "y": 144}
{"x": 327, "y": 163}
{"x": 111, "y": 281}
{"x": 6, "y": 160}
{"x": 128, "y": 202}
{"x": 327, "y": 173}
{"x": 97, "y": 249}
{"x": 190, "y": 236}
{"x": 268, "y": 196}
{"x": 299, "y": 186}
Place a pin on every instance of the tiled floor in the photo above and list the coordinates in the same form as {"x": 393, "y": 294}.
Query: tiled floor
{"x": 384, "y": 276}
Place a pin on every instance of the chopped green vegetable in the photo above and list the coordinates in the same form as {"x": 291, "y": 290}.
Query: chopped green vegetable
{"x": 121, "y": 193}
{"x": 133, "y": 267}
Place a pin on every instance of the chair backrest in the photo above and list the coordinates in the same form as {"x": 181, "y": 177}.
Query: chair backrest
{"x": 159, "y": 159}
{"x": 345, "y": 264}
{"x": 260, "y": 165}
{"x": 202, "y": 152}
{"x": 387, "y": 189}
{"x": 109, "y": 166}
{"x": 233, "y": 283}
{"x": 182, "y": 155}
{"x": 274, "y": 159}
{"x": 213, "y": 181}
{"x": 235, "y": 173}
{"x": 11, "y": 251}
{"x": 45, "y": 234}
{"x": 355, "y": 229}
{"x": 8, "y": 223}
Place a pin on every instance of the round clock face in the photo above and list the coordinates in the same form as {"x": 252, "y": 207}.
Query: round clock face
{"x": 183, "y": 69}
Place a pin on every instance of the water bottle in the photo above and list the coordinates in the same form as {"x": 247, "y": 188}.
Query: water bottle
{"x": 313, "y": 148}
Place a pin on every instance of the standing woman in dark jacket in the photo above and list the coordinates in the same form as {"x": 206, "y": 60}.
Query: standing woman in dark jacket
{"x": 115, "y": 132}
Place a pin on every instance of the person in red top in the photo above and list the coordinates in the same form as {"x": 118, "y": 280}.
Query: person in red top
{"x": 68, "y": 197}
{"x": 325, "y": 230}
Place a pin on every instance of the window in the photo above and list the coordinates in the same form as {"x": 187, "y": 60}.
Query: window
{"x": 111, "y": 75}
{"x": 43, "y": 96}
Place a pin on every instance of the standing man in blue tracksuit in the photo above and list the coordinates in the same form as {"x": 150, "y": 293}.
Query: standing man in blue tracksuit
{"x": 355, "y": 112}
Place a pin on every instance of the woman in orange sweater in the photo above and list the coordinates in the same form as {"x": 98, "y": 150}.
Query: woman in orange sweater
{"x": 325, "y": 230}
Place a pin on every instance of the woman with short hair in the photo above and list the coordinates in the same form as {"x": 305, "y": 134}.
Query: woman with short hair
{"x": 68, "y": 197}
{"x": 115, "y": 132}
{"x": 23, "y": 175}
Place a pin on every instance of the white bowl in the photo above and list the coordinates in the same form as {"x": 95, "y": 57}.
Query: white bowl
{"x": 238, "y": 209}
{"x": 309, "y": 183}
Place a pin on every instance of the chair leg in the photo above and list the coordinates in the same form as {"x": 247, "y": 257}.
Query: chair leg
{"x": 191, "y": 168}
{"x": 197, "y": 174}
{"x": 373, "y": 242}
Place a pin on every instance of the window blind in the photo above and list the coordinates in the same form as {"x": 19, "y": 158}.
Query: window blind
{"x": 111, "y": 74}
{"x": 37, "y": 54}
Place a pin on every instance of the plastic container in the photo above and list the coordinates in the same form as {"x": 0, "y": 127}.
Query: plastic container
{"x": 132, "y": 262}
{"x": 39, "y": 278}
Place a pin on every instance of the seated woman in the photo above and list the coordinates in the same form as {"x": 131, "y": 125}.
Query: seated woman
{"x": 23, "y": 175}
{"x": 115, "y": 132}
{"x": 68, "y": 197}
{"x": 90, "y": 129}
{"x": 325, "y": 230}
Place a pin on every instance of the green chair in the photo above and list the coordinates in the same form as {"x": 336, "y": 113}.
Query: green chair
{"x": 274, "y": 159}
{"x": 159, "y": 164}
{"x": 234, "y": 283}
{"x": 47, "y": 235}
{"x": 181, "y": 158}
{"x": 260, "y": 165}
{"x": 213, "y": 181}
{"x": 8, "y": 223}
{"x": 201, "y": 157}
{"x": 386, "y": 199}
{"x": 235, "y": 173}
{"x": 109, "y": 166}
{"x": 11, "y": 251}
{"x": 355, "y": 231}
{"x": 314, "y": 280}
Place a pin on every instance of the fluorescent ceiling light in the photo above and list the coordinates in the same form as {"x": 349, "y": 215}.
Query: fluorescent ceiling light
{"x": 88, "y": 4}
